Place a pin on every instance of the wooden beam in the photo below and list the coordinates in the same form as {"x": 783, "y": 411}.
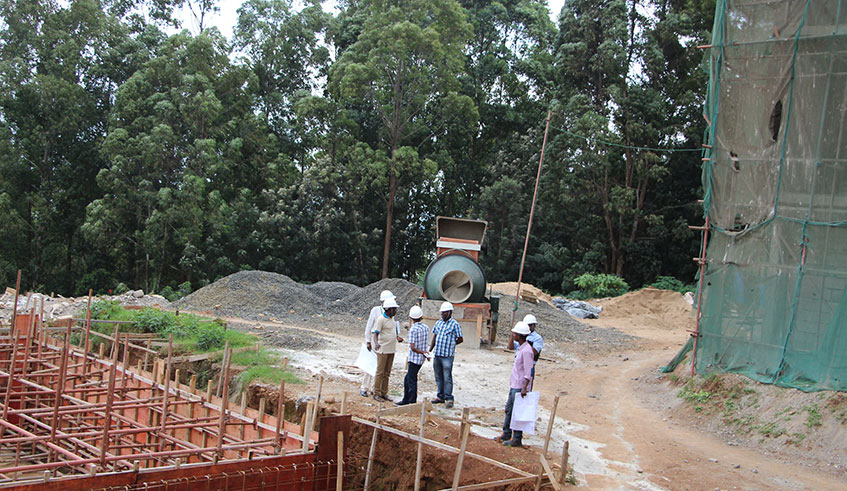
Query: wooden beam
{"x": 494, "y": 484}
{"x": 408, "y": 408}
{"x": 549, "y": 471}
{"x": 550, "y": 425}
{"x": 466, "y": 428}
{"x": 442, "y": 446}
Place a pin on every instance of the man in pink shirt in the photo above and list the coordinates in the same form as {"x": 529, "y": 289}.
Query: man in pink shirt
{"x": 519, "y": 382}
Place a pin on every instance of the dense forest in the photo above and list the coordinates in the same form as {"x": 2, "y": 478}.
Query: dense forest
{"x": 323, "y": 145}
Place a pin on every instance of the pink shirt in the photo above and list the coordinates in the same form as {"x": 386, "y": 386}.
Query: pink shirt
{"x": 522, "y": 369}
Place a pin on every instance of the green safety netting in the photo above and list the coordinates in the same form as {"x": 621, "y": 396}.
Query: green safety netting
{"x": 774, "y": 298}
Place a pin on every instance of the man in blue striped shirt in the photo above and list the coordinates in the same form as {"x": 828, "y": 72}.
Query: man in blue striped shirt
{"x": 446, "y": 334}
{"x": 417, "y": 355}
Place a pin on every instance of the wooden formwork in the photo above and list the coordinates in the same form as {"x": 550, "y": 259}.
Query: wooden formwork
{"x": 75, "y": 420}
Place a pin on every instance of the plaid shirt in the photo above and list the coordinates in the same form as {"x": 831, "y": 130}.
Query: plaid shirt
{"x": 445, "y": 337}
{"x": 417, "y": 335}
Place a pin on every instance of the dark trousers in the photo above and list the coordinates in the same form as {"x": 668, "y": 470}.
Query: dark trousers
{"x": 410, "y": 384}
{"x": 383, "y": 371}
{"x": 507, "y": 430}
{"x": 443, "y": 367}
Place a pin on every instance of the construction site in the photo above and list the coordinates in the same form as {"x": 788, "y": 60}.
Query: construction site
{"x": 739, "y": 384}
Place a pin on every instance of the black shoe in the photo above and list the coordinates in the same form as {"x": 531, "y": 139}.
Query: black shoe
{"x": 363, "y": 393}
{"x": 400, "y": 403}
{"x": 512, "y": 443}
{"x": 448, "y": 404}
{"x": 503, "y": 438}
{"x": 437, "y": 400}
{"x": 380, "y": 399}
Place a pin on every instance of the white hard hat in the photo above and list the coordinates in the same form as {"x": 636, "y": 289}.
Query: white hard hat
{"x": 521, "y": 327}
{"x": 415, "y": 312}
{"x": 385, "y": 295}
{"x": 530, "y": 319}
{"x": 446, "y": 306}
{"x": 389, "y": 303}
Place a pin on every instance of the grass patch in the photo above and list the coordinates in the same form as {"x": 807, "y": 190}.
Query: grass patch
{"x": 269, "y": 375}
{"x": 814, "y": 415}
{"x": 192, "y": 333}
{"x": 771, "y": 430}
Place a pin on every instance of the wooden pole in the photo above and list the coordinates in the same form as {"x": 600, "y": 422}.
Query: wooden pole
{"x": 420, "y": 449}
{"x": 224, "y": 405}
{"x": 563, "y": 477}
{"x": 307, "y": 427}
{"x": 371, "y": 452}
{"x": 15, "y": 307}
{"x": 224, "y": 362}
{"x": 344, "y": 403}
{"x": 549, "y": 471}
{"x": 531, "y": 213}
{"x": 317, "y": 402}
{"x": 280, "y": 412}
{"x": 466, "y": 429}
{"x": 550, "y": 425}
{"x": 339, "y": 479}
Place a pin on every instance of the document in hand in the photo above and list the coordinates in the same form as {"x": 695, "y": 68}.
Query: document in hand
{"x": 525, "y": 412}
{"x": 366, "y": 361}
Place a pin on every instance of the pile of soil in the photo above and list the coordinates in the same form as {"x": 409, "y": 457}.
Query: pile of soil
{"x": 664, "y": 309}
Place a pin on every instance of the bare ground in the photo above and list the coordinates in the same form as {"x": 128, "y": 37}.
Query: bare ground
{"x": 626, "y": 424}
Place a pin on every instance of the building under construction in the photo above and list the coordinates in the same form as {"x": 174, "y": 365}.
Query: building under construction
{"x": 125, "y": 418}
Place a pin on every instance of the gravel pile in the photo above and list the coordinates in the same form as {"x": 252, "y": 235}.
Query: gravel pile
{"x": 262, "y": 296}
{"x": 259, "y": 295}
{"x": 558, "y": 326}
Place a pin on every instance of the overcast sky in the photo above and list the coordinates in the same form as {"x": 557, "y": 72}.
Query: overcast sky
{"x": 226, "y": 18}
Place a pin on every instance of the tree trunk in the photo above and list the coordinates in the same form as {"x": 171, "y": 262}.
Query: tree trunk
{"x": 389, "y": 214}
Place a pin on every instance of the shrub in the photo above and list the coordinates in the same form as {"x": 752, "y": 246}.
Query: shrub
{"x": 105, "y": 309}
{"x": 671, "y": 283}
{"x": 121, "y": 288}
{"x": 154, "y": 321}
{"x": 169, "y": 294}
{"x": 210, "y": 336}
{"x": 601, "y": 285}
{"x": 184, "y": 289}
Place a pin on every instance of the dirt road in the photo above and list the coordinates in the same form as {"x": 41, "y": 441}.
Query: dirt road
{"x": 621, "y": 421}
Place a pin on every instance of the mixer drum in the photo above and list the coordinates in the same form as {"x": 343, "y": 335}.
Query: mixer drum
{"x": 455, "y": 278}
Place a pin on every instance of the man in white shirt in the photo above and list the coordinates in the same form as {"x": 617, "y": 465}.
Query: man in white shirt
{"x": 376, "y": 312}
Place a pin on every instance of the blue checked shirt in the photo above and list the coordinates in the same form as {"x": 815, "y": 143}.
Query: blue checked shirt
{"x": 417, "y": 335}
{"x": 445, "y": 337}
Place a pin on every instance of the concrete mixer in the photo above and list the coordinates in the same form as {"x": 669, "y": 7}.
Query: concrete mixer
{"x": 456, "y": 276}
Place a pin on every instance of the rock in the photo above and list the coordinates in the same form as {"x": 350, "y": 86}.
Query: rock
{"x": 755, "y": 471}
{"x": 736, "y": 466}
{"x": 330, "y": 400}
{"x": 714, "y": 461}
{"x": 138, "y": 293}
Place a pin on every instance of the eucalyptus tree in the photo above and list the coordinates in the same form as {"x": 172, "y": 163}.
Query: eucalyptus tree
{"x": 404, "y": 67}
{"x": 187, "y": 154}
{"x": 627, "y": 85}
{"x": 54, "y": 99}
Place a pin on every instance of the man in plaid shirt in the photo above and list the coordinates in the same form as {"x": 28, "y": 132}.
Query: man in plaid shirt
{"x": 417, "y": 355}
{"x": 445, "y": 336}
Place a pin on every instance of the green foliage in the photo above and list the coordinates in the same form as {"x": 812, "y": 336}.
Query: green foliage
{"x": 133, "y": 157}
{"x": 673, "y": 284}
{"x": 106, "y": 309}
{"x": 814, "y": 415}
{"x": 771, "y": 429}
{"x": 269, "y": 375}
{"x": 210, "y": 337}
{"x": 150, "y": 320}
{"x": 601, "y": 285}
{"x": 690, "y": 394}
{"x": 120, "y": 289}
